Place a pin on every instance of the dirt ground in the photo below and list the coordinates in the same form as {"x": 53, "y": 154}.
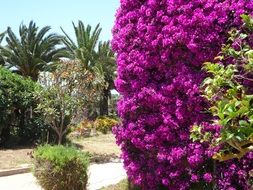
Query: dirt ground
{"x": 99, "y": 145}
{"x": 13, "y": 158}
{"x": 102, "y": 144}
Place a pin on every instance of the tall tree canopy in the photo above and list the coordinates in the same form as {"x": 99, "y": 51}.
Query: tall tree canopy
{"x": 32, "y": 51}
{"x": 84, "y": 47}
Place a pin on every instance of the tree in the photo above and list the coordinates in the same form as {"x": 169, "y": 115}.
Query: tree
{"x": 33, "y": 51}
{"x": 59, "y": 100}
{"x": 107, "y": 64}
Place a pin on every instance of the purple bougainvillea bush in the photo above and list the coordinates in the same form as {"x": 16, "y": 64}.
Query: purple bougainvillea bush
{"x": 160, "y": 46}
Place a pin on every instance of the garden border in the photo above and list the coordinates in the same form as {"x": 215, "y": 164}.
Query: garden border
{"x": 15, "y": 171}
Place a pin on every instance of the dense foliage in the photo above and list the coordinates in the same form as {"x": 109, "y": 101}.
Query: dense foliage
{"x": 18, "y": 122}
{"x": 229, "y": 91}
{"x": 160, "y": 48}
{"x": 61, "y": 168}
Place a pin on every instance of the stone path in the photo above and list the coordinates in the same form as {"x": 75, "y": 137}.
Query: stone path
{"x": 100, "y": 175}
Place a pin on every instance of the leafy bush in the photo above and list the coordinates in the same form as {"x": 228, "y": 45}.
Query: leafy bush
{"x": 61, "y": 168}
{"x": 17, "y": 117}
{"x": 105, "y": 124}
{"x": 160, "y": 47}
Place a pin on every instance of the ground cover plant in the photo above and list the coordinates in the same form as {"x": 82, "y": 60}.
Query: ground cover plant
{"x": 161, "y": 46}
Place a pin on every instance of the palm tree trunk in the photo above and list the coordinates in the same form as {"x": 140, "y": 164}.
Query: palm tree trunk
{"x": 103, "y": 105}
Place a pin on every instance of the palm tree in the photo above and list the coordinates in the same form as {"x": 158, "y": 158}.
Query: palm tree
{"x": 84, "y": 49}
{"x": 107, "y": 64}
{"x": 95, "y": 57}
{"x": 33, "y": 51}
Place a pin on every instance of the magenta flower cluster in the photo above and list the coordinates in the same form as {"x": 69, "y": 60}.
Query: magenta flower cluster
{"x": 160, "y": 46}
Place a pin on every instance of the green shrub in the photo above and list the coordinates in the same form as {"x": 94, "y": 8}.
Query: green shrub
{"x": 61, "y": 168}
{"x": 17, "y": 117}
{"x": 105, "y": 124}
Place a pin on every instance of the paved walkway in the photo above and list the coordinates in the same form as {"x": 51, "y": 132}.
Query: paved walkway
{"x": 100, "y": 175}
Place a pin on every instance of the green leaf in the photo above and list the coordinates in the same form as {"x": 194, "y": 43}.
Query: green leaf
{"x": 243, "y": 123}
{"x": 229, "y": 136}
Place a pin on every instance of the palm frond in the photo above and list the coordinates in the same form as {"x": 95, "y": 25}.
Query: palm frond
{"x": 32, "y": 50}
{"x": 2, "y": 35}
{"x": 86, "y": 42}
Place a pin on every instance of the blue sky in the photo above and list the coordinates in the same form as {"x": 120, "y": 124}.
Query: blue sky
{"x": 56, "y": 13}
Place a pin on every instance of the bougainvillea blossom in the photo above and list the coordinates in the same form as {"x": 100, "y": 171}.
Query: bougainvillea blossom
{"x": 160, "y": 46}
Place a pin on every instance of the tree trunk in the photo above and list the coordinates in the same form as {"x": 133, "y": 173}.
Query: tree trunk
{"x": 103, "y": 104}
{"x": 60, "y": 139}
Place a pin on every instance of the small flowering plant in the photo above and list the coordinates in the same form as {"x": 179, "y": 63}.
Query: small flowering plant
{"x": 228, "y": 89}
